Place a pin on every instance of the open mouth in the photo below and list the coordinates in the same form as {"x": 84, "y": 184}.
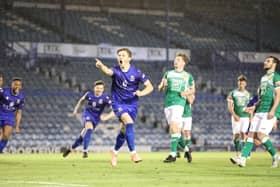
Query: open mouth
{"x": 121, "y": 61}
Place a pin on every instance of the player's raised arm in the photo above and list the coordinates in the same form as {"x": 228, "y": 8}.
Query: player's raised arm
{"x": 147, "y": 90}
{"x": 103, "y": 68}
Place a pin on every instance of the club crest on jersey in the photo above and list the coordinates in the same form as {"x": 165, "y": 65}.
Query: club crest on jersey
{"x": 120, "y": 109}
{"x": 11, "y": 104}
{"x": 132, "y": 78}
{"x": 100, "y": 101}
{"x": 87, "y": 118}
{"x": 185, "y": 76}
{"x": 94, "y": 104}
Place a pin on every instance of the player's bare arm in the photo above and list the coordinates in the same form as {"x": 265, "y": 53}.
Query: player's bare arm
{"x": 162, "y": 85}
{"x": 77, "y": 107}
{"x": 270, "y": 115}
{"x": 147, "y": 90}
{"x": 105, "y": 117}
{"x": 231, "y": 109}
{"x": 188, "y": 92}
{"x": 18, "y": 119}
{"x": 103, "y": 67}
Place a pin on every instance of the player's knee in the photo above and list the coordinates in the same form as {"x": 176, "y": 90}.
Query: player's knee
{"x": 5, "y": 137}
{"x": 187, "y": 133}
{"x": 261, "y": 136}
{"x": 236, "y": 136}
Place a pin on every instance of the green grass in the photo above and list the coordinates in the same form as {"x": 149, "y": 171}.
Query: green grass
{"x": 207, "y": 169}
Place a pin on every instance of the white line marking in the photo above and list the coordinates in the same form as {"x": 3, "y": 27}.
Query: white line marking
{"x": 44, "y": 183}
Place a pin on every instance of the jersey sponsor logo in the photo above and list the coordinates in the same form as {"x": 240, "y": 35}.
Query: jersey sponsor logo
{"x": 120, "y": 109}
{"x": 11, "y": 104}
{"x": 124, "y": 83}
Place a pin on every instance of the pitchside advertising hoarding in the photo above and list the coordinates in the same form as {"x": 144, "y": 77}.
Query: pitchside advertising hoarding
{"x": 253, "y": 57}
{"x": 98, "y": 51}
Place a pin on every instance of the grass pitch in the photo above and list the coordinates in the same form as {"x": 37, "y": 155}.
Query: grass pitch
{"x": 207, "y": 169}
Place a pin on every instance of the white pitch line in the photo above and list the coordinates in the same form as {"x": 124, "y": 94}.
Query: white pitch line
{"x": 44, "y": 183}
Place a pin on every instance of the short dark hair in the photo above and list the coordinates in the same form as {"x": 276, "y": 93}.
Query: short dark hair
{"x": 16, "y": 79}
{"x": 242, "y": 78}
{"x": 275, "y": 59}
{"x": 125, "y": 49}
{"x": 99, "y": 82}
{"x": 184, "y": 57}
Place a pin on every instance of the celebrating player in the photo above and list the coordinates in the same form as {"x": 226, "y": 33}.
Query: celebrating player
{"x": 97, "y": 100}
{"x": 125, "y": 93}
{"x": 11, "y": 105}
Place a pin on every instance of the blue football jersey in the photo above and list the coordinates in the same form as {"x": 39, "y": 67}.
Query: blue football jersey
{"x": 124, "y": 84}
{"x": 253, "y": 101}
{"x": 95, "y": 105}
{"x": 9, "y": 103}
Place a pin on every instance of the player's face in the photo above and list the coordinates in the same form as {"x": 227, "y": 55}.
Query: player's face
{"x": 16, "y": 86}
{"x": 268, "y": 64}
{"x": 242, "y": 85}
{"x": 179, "y": 63}
{"x": 123, "y": 58}
{"x": 98, "y": 90}
{"x": 1, "y": 82}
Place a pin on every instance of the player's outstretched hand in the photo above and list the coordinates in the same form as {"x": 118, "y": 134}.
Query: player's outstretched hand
{"x": 98, "y": 63}
{"x": 138, "y": 93}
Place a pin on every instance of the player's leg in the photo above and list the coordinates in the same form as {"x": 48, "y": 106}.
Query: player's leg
{"x": 245, "y": 123}
{"x": 263, "y": 135}
{"x": 7, "y": 131}
{"x": 246, "y": 150}
{"x": 181, "y": 141}
{"x": 76, "y": 144}
{"x": 187, "y": 135}
{"x": 120, "y": 139}
{"x": 188, "y": 150}
{"x": 174, "y": 116}
{"x": 128, "y": 119}
{"x": 87, "y": 137}
{"x": 236, "y": 140}
{"x": 119, "y": 142}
